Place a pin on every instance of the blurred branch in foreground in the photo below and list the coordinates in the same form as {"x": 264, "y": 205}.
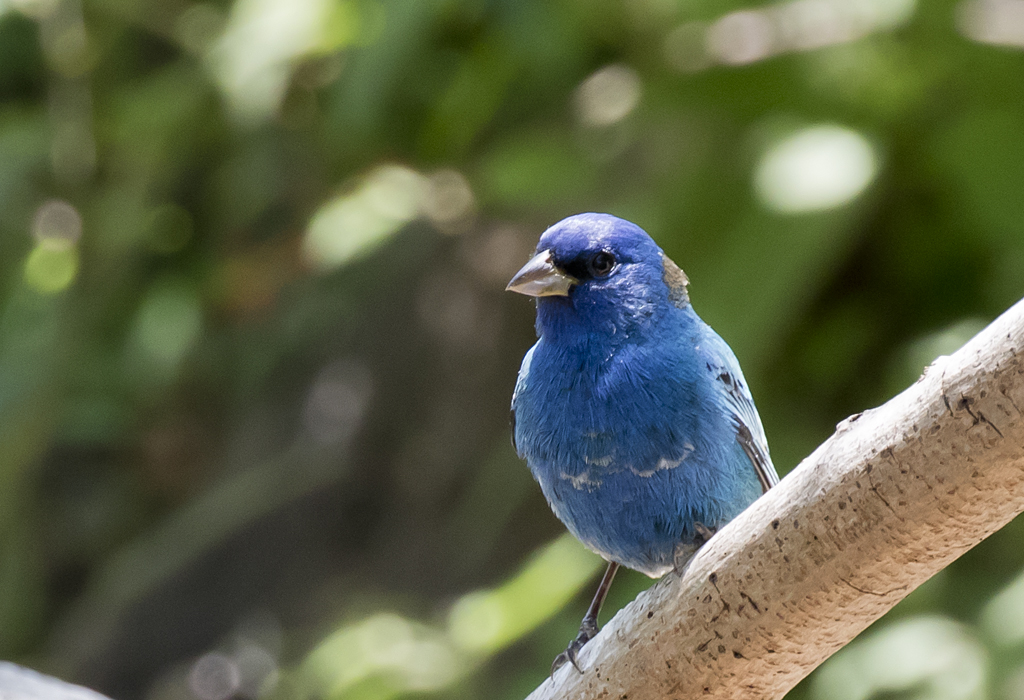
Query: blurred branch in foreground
{"x": 18, "y": 683}
{"x": 895, "y": 495}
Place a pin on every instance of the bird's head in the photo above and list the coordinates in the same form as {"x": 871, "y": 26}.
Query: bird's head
{"x": 598, "y": 274}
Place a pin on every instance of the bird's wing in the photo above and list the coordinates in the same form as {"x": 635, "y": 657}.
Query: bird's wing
{"x": 740, "y": 405}
{"x": 749, "y": 431}
{"x": 524, "y": 373}
{"x": 512, "y": 425}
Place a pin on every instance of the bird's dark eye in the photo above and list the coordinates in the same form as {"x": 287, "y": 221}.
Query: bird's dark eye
{"x": 601, "y": 264}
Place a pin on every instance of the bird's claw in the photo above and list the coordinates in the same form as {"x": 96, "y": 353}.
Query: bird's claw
{"x": 570, "y": 655}
{"x": 588, "y": 631}
{"x": 704, "y": 532}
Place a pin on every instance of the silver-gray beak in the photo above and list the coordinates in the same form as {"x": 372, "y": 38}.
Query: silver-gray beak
{"x": 540, "y": 278}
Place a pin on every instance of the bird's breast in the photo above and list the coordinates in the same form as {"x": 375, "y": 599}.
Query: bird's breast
{"x": 584, "y": 415}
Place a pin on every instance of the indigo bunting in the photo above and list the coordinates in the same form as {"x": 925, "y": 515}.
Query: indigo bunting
{"x": 631, "y": 412}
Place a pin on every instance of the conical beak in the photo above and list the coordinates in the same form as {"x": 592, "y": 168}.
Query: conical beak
{"x": 541, "y": 278}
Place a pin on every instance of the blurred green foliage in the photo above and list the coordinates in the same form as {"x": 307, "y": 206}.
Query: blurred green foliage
{"x": 255, "y": 357}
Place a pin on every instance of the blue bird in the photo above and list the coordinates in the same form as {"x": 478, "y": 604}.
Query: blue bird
{"x": 631, "y": 412}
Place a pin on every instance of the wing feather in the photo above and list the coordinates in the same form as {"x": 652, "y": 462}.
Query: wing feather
{"x": 749, "y": 431}
{"x": 524, "y": 374}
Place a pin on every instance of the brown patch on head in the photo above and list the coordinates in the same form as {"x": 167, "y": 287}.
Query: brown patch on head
{"x": 676, "y": 280}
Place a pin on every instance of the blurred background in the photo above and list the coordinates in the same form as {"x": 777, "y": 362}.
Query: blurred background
{"x": 256, "y": 360}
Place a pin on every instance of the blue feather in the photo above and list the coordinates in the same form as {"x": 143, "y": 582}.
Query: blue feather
{"x": 631, "y": 412}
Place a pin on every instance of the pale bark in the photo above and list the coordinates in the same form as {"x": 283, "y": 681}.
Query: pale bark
{"x": 895, "y": 495}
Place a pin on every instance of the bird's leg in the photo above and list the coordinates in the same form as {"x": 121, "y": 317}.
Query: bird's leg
{"x": 588, "y": 628}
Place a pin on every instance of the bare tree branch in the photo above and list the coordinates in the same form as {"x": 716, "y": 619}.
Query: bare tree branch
{"x": 895, "y": 495}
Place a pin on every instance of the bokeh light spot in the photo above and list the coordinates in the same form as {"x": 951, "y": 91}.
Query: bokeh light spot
{"x": 741, "y": 37}
{"x": 486, "y": 621}
{"x": 999, "y": 22}
{"x": 50, "y": 270}
{"x": 252, "y": 60}
{"x": 353, "y": 224}
{"x": 477, "y": 620}
{"x": 448, "y": 200}
{"x": 746, "y": 36}
{"x": 817, "y": 168}
{"x": 57, "y": 224}
{"x": 214, "y": 676}
{"x": 168, "y": 322}
{"x": 811, "y": 24}
{"x": 933, "y": 656}
{"x": 258, "y": 671}
{"x": 410, "y": 656}
{"x": 608, "y": 96}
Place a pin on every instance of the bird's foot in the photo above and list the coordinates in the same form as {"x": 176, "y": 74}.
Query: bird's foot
{"x": 588, "y": 630}
{"x": 688, "y": 547}
{"x": 704, "y": 532}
